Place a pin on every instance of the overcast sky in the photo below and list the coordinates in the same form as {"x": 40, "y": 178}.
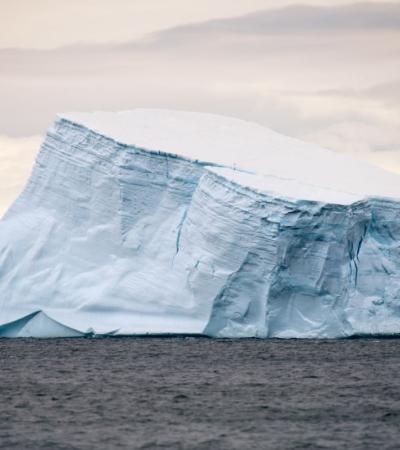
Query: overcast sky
{"x": 324, "y": 71}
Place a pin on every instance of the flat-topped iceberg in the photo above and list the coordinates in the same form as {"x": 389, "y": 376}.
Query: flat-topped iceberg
{"x": 155, "y": 222}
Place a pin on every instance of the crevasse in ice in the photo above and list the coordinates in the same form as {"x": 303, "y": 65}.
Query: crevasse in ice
{"x": 154, "y": 221}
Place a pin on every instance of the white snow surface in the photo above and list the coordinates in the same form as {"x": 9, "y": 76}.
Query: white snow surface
{"x": 153, "y": 221}
{"x": 229, "y": 142}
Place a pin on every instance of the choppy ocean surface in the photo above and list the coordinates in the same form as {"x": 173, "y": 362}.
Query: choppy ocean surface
{"x": 198, "y": 393}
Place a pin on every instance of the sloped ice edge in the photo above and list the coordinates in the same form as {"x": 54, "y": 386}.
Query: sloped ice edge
{"x": 38, "y": 325}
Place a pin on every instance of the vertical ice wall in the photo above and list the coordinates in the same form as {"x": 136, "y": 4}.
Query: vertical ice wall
{"x": 296, "y": 268}
{"x": 374, "y": 303}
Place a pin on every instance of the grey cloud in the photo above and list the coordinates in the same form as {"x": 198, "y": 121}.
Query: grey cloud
{"x": 388, "y": 93}
{"x": 298, "y": 19}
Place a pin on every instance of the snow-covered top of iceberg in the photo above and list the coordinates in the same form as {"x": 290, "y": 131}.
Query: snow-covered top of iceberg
{"x": 284, "y": 165}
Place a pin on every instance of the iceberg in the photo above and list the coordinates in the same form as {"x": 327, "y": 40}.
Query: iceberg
{"x": 170, "y": 222}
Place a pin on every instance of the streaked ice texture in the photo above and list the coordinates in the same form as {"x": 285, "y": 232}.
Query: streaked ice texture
{"x": 153, "y": 221}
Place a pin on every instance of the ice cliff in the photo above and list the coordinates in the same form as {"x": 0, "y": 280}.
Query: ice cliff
{"x": 154, "y": 221}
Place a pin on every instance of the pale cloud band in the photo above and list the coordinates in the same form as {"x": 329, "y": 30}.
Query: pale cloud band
{"x": 17, "y": 157}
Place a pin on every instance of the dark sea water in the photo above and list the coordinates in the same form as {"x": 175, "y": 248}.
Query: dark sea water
{"x": 194, "y": 393}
